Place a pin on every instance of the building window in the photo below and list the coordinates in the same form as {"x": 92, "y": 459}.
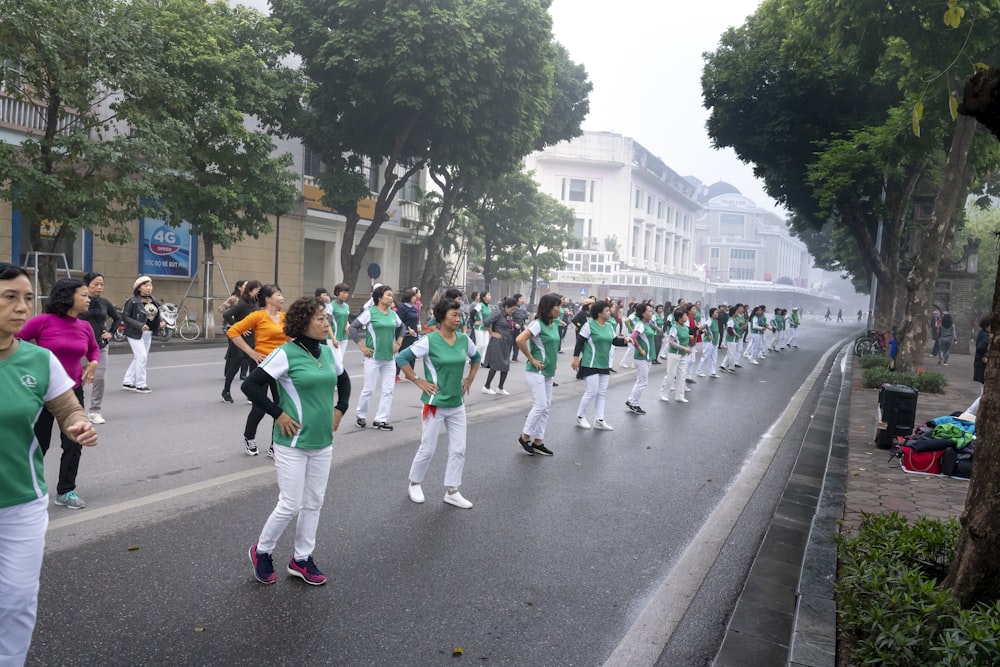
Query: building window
{"x": 743, "y": 253}
{"x": 741, "y": 274}
{"x": 638, "y": 198}
{"x": 578, "y": 229}
{"x": 731, "y": 224}
{"x": 649, "y": 204}
{"x": 577, "y": 189}
{"x": 312, "y": 166}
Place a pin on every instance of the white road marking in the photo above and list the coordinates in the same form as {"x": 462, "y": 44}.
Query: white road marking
{"x": 648, "y": 636}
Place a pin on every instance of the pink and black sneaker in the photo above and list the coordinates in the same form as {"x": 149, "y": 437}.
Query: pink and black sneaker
{"x": 307, "y": 571}
{"x": 263, "y": 567}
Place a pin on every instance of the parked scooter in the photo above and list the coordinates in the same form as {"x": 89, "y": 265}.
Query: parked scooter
{"x": 168, "y": 313}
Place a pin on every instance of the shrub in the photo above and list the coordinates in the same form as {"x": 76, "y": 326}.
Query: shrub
{"x": 891, "y": 611}
{"x": 923, "y": 381}
{"x": 874, "y": 361}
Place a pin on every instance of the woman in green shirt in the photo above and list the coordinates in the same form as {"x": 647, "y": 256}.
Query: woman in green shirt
{"x": 539, "y": 343}
{"x": 378, "y": 331}
{"x": 592, "y": 361}
{"x": 678, "y": 353}
{"x": 445, "y": 353}
{"x": 305, "y": 418}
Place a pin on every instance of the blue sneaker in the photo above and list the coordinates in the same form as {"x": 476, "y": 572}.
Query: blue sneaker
{"x": 263, "y": 567}
{"x": 307, "y": 571}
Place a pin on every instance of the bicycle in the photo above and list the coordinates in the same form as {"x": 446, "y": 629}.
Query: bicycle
{"x": 863, "y": 344}
{"x": 188, "y": 328}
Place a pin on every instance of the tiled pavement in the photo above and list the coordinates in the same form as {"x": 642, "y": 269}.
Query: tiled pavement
{"x": 875, "y": 487}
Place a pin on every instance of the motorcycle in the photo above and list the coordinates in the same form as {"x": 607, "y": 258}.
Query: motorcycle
{"x": 168, "y": 313}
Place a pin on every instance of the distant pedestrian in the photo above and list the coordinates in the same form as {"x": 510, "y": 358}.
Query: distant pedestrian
{"x": 500, "y": 329}
{"x": 678, "y": 344}
{"x": 142, "y": 318}
{"x": 445, "y": 353}
{"x": 840, "y": 314}
{"x": 305, "y": 418}
{"x": 237, "y": 360}
{"x": 644, "y": 346}
{"x": 539, "y": 342}
{"x": 24, "y": 497}
{"x": 947, "y": 337}
{"x": 103, "y": 318}
{"x": 982, "y": 349}
{"x": 828, "y": 314}
{"x": 519, "y": 318}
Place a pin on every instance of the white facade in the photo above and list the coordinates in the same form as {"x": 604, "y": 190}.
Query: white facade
{"x": 635, "y": 218}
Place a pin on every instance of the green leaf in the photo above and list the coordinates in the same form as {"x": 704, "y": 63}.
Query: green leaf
{"x": 915, "y": 116}
{"x": 953, "y": 106}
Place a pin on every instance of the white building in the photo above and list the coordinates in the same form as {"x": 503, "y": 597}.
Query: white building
{"x": 635, "y": 219}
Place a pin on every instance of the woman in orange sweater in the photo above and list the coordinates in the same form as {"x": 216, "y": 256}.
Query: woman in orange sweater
{"x": 268, "y": 326}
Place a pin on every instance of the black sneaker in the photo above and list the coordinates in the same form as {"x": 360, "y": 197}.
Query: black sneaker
{"x": 542, "y": 449}
{"x": 361, "y": 423}
{"x": 226, "y": 397}
{"x": 690, "y": 381}
{"x": 612, "y": 370}
{"x": 526, "y": 446}
{"x": 270, "y": 451}
{"x": 143, "y": 390}
{"x": 555, "y": 384}
{"x": 128, "y": 387}
{"x": 737, "y": 366}
{"x": 638, "y": 410}
{"x": 251, "y": 446}
{"x": 263, "y": 566}
{"x": 382, "y": 426}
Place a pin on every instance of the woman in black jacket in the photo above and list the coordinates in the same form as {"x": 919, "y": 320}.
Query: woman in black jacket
{"x": 500, "y": 329}
{"x": 236, "y": 359}
{"x": 142, "y": 317}
{"x": 103, "y": 318}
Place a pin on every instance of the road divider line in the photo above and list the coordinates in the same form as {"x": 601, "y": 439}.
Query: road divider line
{"x": 649, "y": 634}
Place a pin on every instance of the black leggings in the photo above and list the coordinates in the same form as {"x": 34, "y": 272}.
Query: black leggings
{"x": 256, "y": 414}
{"x": 69, "y": 464}
{"x": 236, "y": 362}
{"x": 489, "y": 378}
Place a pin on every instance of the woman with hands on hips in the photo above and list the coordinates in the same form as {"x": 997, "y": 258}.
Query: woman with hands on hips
{"x": 33, "y": 379}
{"x": 378, "y": 332}
{"x": 268, "y": 326}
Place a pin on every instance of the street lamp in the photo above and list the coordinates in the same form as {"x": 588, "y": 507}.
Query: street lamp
{"x": 277, "y": 238}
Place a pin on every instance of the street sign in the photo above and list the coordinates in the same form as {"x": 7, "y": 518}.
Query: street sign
{"x": 374, "y": 270}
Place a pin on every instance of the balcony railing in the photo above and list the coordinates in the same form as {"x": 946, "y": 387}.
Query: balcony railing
{"x": 29, "y": 117}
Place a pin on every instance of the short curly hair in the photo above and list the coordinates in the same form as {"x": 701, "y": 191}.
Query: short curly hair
{"x": 299, "y": 315}
{"x": 62, "y": 295}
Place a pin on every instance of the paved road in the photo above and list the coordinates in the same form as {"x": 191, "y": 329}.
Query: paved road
{"x": 558, "y": 561}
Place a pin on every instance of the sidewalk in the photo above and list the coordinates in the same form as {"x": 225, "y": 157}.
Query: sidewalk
{"x": 872, "y": 485}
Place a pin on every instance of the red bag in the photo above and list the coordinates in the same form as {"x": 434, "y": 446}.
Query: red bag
{"x": 926, "y": 462}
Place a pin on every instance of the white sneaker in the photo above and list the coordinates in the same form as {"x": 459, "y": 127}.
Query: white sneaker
{"x": 602, "y": 425}
{"x": 95, "y": 418}
{"x": 714, "y": 375}
{"x": 683, "y": 400}
{"x": 416, "y": 493}
{"x": 755, "y": 362}
{"x": 581, "y": 422}
{"x": 687, "y": 389}
{"x": 701, "y": 375}
{"x": 457, "y": 500}
{"x": 487, "y": 390}
{"x": 503, "y": 392}
{"x": 665, "y": 399}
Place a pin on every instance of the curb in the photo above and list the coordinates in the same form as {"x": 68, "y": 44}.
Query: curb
{"x": 785, "y": 614}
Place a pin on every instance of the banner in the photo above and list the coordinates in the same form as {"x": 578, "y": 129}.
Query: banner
{"x": 165, "y": 250}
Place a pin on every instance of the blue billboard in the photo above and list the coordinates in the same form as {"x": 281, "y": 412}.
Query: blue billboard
{"x": 167, "y": 250}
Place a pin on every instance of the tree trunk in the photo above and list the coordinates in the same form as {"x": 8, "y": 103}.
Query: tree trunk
{"x": 534, "y": 282}
{"x": 430, "y": 277}
{"x": 974, "y": 575}
{"x": 926, "y": 261}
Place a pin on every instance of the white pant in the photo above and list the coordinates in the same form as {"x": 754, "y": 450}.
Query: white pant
{"x": 709, "y": 359}
{"x": 455, "y": 424}
{"x": 641, "y": 381}
{"x": 482, "y": 341}
{"x": 732, "y": 354}
{"x": 540, "y": 387}
{"x": 136, "y": 373}
{"x": 302, "y": 476}
{"x": 22, "y": 544}
{"x": 697, "y": 352}
{"x": 677, "y": 365}
{"x": 338, "y": 350}
{"x": 793, "y": 336}
{"x": 375, "y": 371}
{"x": 596, "y": 390}
{"x": 756, "y": 347}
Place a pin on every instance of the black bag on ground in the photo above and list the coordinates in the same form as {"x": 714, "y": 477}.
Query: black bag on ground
{"x": 954, "y": 464}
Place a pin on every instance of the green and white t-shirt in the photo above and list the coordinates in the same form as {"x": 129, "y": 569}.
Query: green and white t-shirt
{"x": 444, "y": 366}
{"x": 681, "y": 335}
{"x": 645, "y": 339}
{"x": 341, "y": 312}
{"x": 482, "y": 313}
{"x": 306, "y": 388}
{"x": 597, "y": 344}
{"x": 30, "y": 376}
{"x": 380, "y": 331}
{"x": 737, "y": 323}
{"x": 544, "y": 346}
{"x": 711, "y": 334}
